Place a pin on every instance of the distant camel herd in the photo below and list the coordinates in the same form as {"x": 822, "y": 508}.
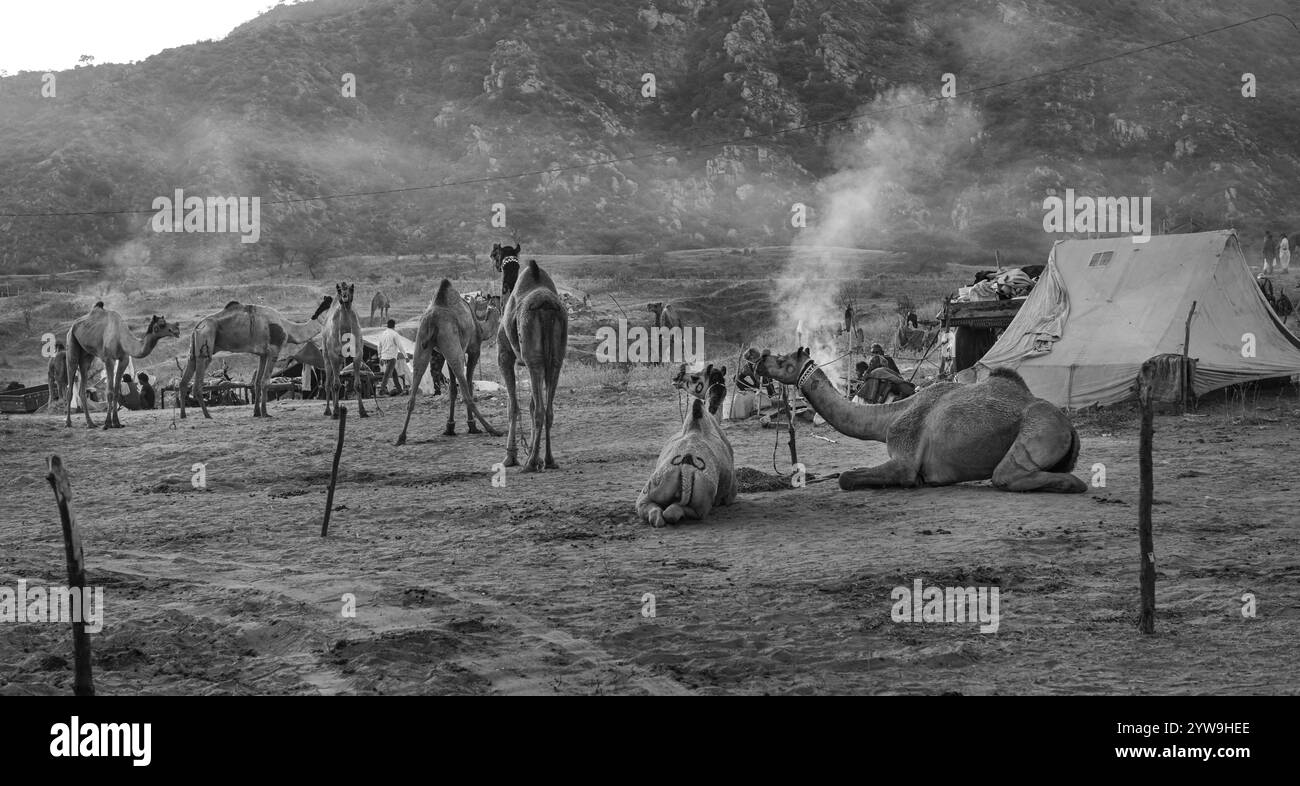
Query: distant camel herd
{"x": 941, "y": 434}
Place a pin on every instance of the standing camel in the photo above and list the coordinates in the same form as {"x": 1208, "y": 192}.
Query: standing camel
{"x": 103, "y": 334}
{"x": 379, "y": 303}
{"x": 56, "y": 373}
{"x": 342, "y": 340}
{"x": 449, "y": 330}
{"x": 255, "y": 330}
{"x": 534, "y": 329}
{"x": 665, "y": 315}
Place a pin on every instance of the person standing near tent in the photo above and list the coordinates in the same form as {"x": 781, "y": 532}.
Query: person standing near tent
{"x": 389, "y": 353}
{"x": 1270, "y": 252}
{"x": 1283, "y": 253}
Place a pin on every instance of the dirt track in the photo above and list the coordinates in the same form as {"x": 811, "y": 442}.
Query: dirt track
{"x": 537, "y": 587}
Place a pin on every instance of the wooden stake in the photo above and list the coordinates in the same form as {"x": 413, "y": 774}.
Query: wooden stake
{"x": 334, "y": 473}
{"x": 1187, "y": 340}
{"x": 83, "y": 684}
{"x": 1146, "y": 547}
{"x": 789, "y": 411}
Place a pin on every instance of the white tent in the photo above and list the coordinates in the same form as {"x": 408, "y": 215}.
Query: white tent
{"x": 1103, "y": 307}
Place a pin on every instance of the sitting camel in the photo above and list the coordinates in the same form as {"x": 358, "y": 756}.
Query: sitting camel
{"x": 947, "y": 433}
{"x": 56, "y": 372}
{"x": 103, "y": 334}
{"x": 254, "y": 330}
{"x": 882, "y": 386}
{"x": 695, "y": 471}
{"x": 379, "y": 303}
{"x": 449, "y": 331}
{"x": 535, "y": 330}
{"x": 342, "y": 340}
{"x": 709, "y": 384}
{"x": 665, "y": 315}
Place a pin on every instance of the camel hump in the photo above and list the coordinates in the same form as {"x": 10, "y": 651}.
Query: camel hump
{"x": 100, "y": 304}
{"x": 532, "y": 266}
{"x": 443, "y": 288}
{"x": 232, "y": 304}
{"x": 1007, "y": 373}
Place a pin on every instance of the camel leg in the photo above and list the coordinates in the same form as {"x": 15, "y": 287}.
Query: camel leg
{"x": 506, "y": 365}
{"x": 70, "y": 362}
{"x": 182, "y": 387}
{"x": 261, "y": 380}
{"x": 331, "y": 388}
{"x": 1046, "y": 439}
{"x": 894, "y": 472}
{"x": 676, "y": 512}
{"x": 552, "y": 382}
{"x": 536, "y": 411}
{"x": 111, "y": 373}
{"x": 200, "y": 377}
{"x": 452, "y": 387}
{"x": 471, "y": 360}
{"x": 421, "y": 363}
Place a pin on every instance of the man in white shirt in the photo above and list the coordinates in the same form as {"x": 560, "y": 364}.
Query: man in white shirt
{"x": 390, "y": 351}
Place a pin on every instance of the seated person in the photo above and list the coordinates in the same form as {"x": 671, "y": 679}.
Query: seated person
{"x": 127, "y": 394}
{"x": 147, "y": 395}
{"x": 877, "y": 360}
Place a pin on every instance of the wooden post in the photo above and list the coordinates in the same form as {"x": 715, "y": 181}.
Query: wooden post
{"x": 1146, "y": 548}
{"x": 1187, "y": 340}
{"x": 334, "y": 473}
{"x": 83, "y": 684}
{"x": 789, "y": 412}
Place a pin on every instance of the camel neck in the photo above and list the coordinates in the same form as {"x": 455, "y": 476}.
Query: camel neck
{"x": 142, "y": 347}
{"x": 862, "y": 421}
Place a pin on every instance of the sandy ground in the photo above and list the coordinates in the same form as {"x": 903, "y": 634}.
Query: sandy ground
{"x": 462, "y": 587}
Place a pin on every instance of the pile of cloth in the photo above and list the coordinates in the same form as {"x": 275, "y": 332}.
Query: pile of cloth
{"x": 1001, "y": 284}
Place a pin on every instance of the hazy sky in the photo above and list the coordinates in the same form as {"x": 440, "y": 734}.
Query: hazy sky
{"x": 50, "y": 35}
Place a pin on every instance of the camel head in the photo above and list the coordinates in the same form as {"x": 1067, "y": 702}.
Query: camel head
{"x": 709, "y": 385}
{"x": 344, "y": 291}
{"x": 324, "y": 306}
{"x": 501, "y": 253}
{"x": 160, "y": 328}
{"x": 785, "y": 369}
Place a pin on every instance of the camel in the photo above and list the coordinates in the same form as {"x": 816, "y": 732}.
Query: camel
{"x": 449, "y": 330}
{"x": 534, "y": 329}
{"x": 379, "y": 303}
{"x": 947, "y": 433}
{"x": 342, "y": 340}
{"x": 103, "y": 334}
{"x": 253, "y": 330}
{"x": 709, "y": 384}
{"x": 665, "y": 315}
{"x": 56, "y": 373}
{"x": 506, "y": 260}
{"x": 695, "y": 472}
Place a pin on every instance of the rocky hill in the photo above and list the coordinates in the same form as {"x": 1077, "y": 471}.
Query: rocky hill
{"x": 469, "y": 92}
